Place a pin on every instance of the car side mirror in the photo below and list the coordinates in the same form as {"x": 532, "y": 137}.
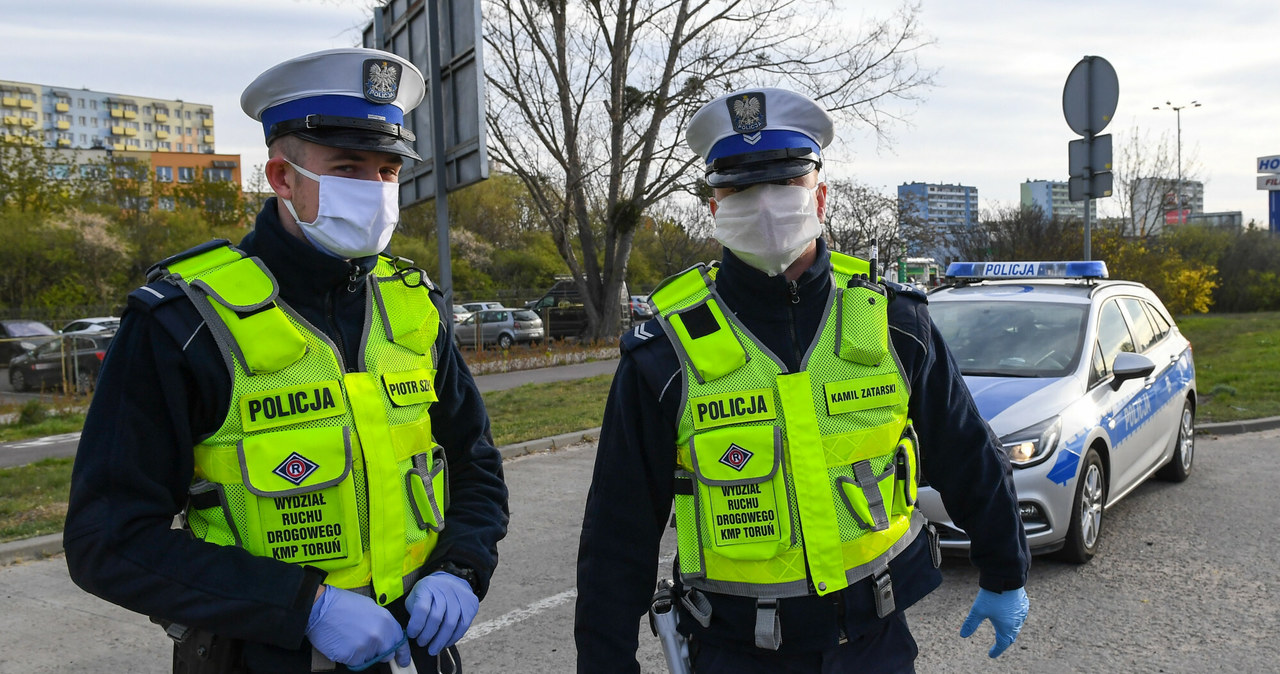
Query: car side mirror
{"x": 1130, "y": 366}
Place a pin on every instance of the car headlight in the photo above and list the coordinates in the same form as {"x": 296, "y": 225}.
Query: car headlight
{"x": 1032, "y": 444}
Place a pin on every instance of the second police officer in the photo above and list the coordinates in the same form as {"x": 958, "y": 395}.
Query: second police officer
{"x": 787, "y": 403}
{"x": 299, "y": 399}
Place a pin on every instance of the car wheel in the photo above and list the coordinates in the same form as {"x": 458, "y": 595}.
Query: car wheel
{"x": 84, "y": 382}
{"x": 1184, "y": 451}
{"x": 1085, "y": 529}
{"x": 505, "y": 341}
{"x": 17, "y": 379}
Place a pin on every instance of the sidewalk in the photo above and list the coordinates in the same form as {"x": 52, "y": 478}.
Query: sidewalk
{"x": 46, "y": 546}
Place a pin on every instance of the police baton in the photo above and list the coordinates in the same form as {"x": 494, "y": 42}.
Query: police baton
{"x": 662, "y": 620}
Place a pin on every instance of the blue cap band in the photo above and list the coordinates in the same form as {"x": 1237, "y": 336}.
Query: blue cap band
{"x": 779, "y": 139}
{"x": 333, "y": 105}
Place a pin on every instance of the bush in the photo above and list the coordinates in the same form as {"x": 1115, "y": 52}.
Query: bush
{"x": 33, "y": 412}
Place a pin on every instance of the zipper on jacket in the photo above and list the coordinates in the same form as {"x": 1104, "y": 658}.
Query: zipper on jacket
{"x": 331, "y": 315}
{"x": 793, "y": 287}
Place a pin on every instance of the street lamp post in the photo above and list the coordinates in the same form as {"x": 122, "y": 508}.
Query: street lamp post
{"x": 1177, "y": 110}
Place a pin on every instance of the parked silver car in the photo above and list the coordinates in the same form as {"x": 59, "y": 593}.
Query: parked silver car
{"x": 503, "y": 327}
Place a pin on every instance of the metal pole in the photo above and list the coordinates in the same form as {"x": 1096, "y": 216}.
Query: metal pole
{"x": 1178, "y": 112}
{"x": 438, "y": 149}
{"x": 1087, "y": 223}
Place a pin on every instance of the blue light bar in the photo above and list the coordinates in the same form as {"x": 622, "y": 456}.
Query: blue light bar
{"x": 1002, "y": 270}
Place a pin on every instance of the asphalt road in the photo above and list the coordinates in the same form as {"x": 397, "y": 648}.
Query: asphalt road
{"x": 1188, "y": 580}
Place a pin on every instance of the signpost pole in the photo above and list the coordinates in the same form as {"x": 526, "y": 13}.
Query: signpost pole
{"x": 438, "y": 150}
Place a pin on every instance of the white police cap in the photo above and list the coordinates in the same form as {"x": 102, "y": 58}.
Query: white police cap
{"x": 759, "y": 135}
{"x": 352, "y": 98}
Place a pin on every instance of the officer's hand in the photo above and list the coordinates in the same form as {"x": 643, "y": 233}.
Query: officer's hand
{"x": 441, "y": 608}
{"x": 353, "y": 630}
{"x": 1006, "y": 611}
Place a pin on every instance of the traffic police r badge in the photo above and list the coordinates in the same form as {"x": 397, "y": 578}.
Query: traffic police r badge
{"x": 381, "y": 80}
{"x": 296, "y": 468}
{"x": 736, "y": 457}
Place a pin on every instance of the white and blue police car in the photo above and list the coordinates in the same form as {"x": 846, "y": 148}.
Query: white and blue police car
{"x": 1088, "y": 383}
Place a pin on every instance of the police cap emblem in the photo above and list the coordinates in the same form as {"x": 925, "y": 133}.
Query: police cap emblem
{"x": 746, "y": 112}
{"x": 381, "y": 80}
{"x": 296, "y": 468}
{"x": 736, "y": 457}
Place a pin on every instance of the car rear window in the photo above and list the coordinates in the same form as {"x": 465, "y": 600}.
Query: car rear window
{"x": 525, "y": 315}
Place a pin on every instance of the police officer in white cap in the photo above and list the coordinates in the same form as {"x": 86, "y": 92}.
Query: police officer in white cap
{"x": 787, "y": 401}
{"x": 299, "y": 400}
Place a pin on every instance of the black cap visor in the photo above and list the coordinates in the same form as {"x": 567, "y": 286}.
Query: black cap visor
{"x": 768, "y": 166}
{"x": 350, "y": 134}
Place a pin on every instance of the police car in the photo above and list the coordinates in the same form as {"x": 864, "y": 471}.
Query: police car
{"x": 1088, "y": 383}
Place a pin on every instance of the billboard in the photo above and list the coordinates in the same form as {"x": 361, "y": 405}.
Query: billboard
{"x": 455, "y": 89}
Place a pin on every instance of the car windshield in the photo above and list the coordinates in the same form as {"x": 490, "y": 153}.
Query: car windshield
{"x": 1012, "y": 339}
{"x": 28, "y": 329}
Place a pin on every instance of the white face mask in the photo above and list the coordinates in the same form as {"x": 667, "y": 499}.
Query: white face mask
{"x": 768, "y": 225}
{"x": 355, "y": 218}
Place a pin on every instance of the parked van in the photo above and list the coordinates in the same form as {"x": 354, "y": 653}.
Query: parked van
{"x": 564, "y": 314}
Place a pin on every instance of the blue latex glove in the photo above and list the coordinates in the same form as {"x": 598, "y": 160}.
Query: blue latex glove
{"x": 352, "y": 629}
{"x": 1006, "y": 611}
{"x": 441, "y": 608}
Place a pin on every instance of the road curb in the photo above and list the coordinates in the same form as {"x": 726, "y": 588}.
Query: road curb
{"x": 30, "y": 549}
{"x": 1241, "y": 426}
{"x": 40, "y": 547}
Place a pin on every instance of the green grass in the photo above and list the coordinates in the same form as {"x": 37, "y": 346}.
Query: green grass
{"x": 537, "y": 411}
{"x": 33, "y": 498}
{"x": 1236, "y": 358}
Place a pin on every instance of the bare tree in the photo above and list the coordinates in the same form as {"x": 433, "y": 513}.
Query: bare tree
{"x": 1015, "y": 232}
{"x": 858, "y": 216}
{"x": 587, "y": 99}
{"x": 1145, "y": 175}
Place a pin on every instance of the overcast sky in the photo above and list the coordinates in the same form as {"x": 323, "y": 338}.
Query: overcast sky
{"x": 993, "y": 120}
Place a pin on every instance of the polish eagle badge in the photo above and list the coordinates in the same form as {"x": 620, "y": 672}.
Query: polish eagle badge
{"x": 747, "y": 112}
{"x": 381, "y": 80}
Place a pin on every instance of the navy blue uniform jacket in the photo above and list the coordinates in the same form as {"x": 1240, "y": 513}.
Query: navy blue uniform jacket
{"x": 164, "y": 387}
{"x": 630, "y": 498}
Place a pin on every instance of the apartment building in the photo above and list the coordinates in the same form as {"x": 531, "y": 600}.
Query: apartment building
{"x": 41, "y": 115}
{"x": 1053, "y": 198}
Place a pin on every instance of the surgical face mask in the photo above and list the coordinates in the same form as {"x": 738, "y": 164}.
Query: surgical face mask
{"x": 768, "y": 226}
{"x": 355, "y": 218}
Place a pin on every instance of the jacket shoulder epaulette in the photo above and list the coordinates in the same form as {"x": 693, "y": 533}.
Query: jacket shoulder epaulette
{"x": 904, "y": 290}
{"x": 640, "y": 334}
{"x": 154, "y": 294}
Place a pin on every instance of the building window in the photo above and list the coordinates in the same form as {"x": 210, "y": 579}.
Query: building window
{"x": 93, "y": 105}
{"x": 188, "y": 114}
{"x": 186, "y": 174}
{"x": 164, "y": 145}
{"x": 94, "y": 121}
{"x": 217, "y": 175}
{"x": 189, "y": 148}
{"x": 146, "y": 126}
{"x": 164, "y": 174}
{"x": 164, "y": 203}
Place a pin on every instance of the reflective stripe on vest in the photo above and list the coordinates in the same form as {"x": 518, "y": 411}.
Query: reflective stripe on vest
{"x": 789, "y": 483}
{"x": 317, "y": 463}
